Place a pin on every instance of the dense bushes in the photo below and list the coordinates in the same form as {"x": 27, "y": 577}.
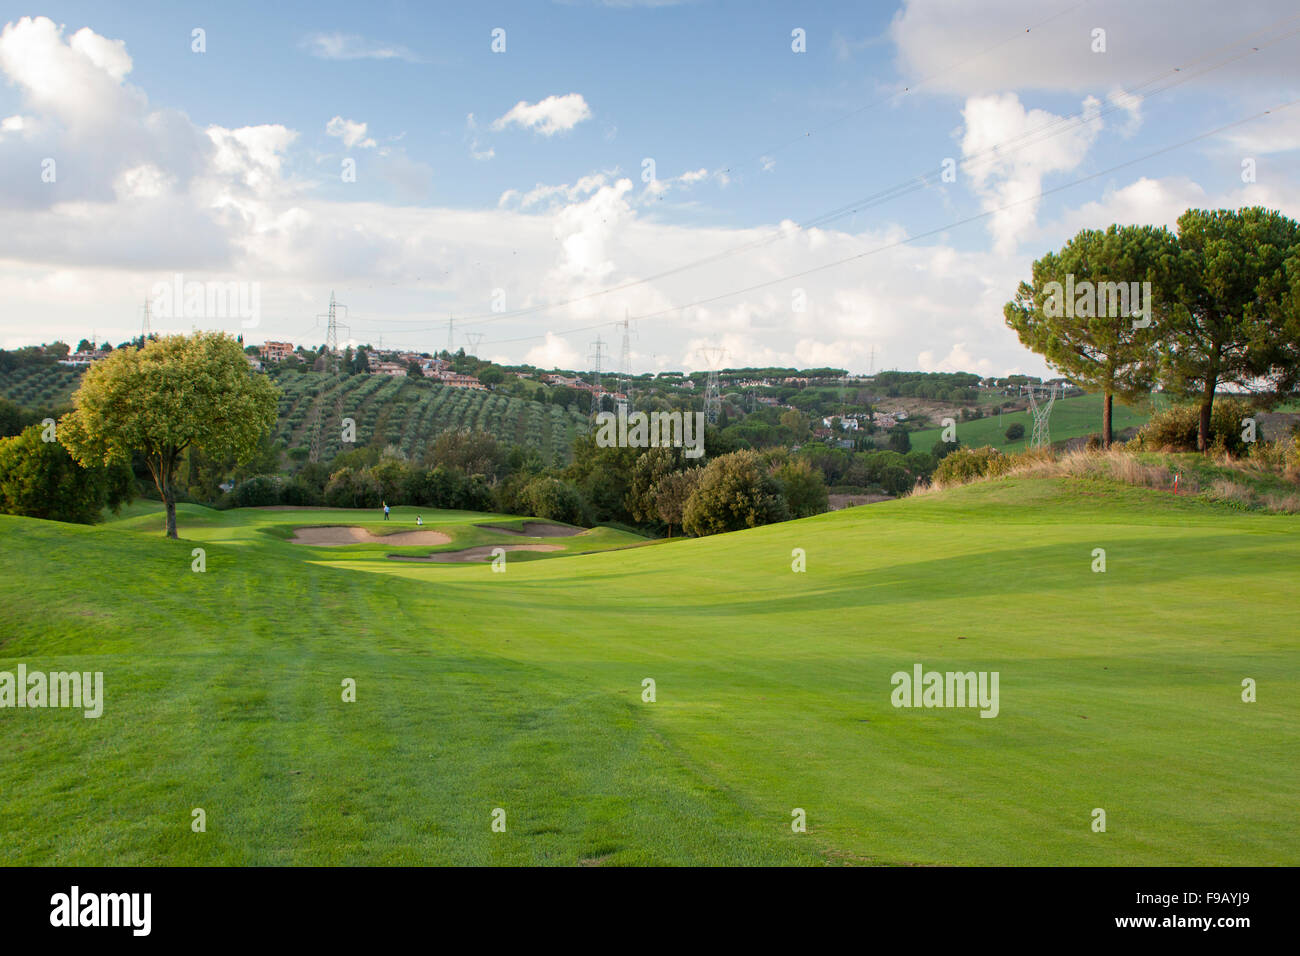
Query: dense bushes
{"x": 556, "y": 500}
{"x": 1174, "y": 429}
{"x": 257, "y": 492}
{"x": 967, "y": 464}
{"x": 39, "y": 479}
{"x": 354, "y": 488}
{"x": 890, "y": 471}
{"x": 358, "y": 485}
{"x": 804, "y": 489}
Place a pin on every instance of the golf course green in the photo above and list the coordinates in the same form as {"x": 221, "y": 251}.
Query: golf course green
{"x": 522, "y": 690}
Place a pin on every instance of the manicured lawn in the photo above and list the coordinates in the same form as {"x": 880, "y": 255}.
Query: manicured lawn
{"x": 522, "y": 690}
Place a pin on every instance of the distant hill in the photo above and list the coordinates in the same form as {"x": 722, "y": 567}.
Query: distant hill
{"x": 407, "y": 412}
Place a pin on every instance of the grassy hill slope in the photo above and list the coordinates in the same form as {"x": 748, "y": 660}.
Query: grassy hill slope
{"x": 522, "y": 690}
{"x": 1071, "y": 418}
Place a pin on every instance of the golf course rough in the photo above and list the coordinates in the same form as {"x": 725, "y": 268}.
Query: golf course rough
{"x": 523, "y": 692}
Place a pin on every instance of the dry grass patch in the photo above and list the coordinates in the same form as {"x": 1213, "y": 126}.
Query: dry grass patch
{"x": 1121, "y": 464}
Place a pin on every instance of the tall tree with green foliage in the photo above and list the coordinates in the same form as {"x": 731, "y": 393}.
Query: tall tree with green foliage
{"x": 603, "y": 476}
{"x": 652, "y": 465}
{"x": 672, "y": 492}
{"x": 178, "y": 392}
{"x": 1234, "y": 321}
{"x": 804, "y": 489}
{"x": 736, "y": 491}
{"x": 1077, "y": 312}
{"x": 470, "y": 450}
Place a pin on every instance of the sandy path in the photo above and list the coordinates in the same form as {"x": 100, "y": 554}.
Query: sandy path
{"x": 536, "y": 529}
{"x": 334, "y": 536}
{"x": 473, "y": 554}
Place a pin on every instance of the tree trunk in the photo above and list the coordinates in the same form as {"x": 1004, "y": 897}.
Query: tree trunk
{"x": 1207, "y": 405}
{"x": 161, "y": 468}
{"x": 1207, "y": 400}
{"x": 1106, "y": 415}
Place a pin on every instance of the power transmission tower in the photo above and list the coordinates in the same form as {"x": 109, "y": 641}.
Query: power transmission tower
{"x": 144, "y": 326}
{"x": 332, "y": 335}
{"x": 332, "y": 332}
{"x": 1042, "y": 437}
{"x": 625, "y": 365}
{"x": 451, "y": 334}
{"x": 331, "y": 369}
{"x": 713, "y": 356}
{"x": 597, "y": 356}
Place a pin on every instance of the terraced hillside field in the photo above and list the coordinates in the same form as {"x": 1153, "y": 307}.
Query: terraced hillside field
{"x": 411, "y": 413}
{"x": 40, "y": 386}
{"x": 524, "y": 690}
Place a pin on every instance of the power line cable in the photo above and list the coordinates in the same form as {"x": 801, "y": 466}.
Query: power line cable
{"x": 922, "y": 235}
{"x": 990, "y": 154}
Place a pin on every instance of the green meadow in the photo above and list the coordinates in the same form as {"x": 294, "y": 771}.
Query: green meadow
{"x": 1075, "y": 417}
{"x": 522, "y": 690}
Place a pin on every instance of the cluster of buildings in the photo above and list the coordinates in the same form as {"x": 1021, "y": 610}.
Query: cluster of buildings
{"x": 435, "y": 368}
{"x": 398, "y": 365}
{"x": 848, "y": 423}
{"x": 568, "y": 381}
{"x": 83, "y": 359}
{"x": 395, "y": 364}
{"x": 275, "y": 351}
{"x": 854, "y": 422}
{"x": 1017, "y": 389}
{"x": 887, "y": 420}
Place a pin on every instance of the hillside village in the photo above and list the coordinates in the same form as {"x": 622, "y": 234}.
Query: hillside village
{"x": 844, "y": 409}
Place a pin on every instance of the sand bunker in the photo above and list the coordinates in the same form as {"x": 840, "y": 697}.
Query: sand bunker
{"x": 334, "y": 536}
{"x": 536, "y": 529}
{"x": 473, "y": 554}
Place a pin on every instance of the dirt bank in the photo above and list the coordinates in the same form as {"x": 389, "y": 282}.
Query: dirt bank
{"x": 335, "y": 536}
{"x": 536, "y": 529}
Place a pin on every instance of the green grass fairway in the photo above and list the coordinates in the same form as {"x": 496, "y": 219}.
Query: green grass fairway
{"x": 1071, "y": 418}
{"x": 522, "y": 690}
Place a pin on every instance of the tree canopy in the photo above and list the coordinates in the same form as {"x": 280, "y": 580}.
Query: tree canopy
{"x": 1234, "y": 319}
{"x": 39, "y": 479}
{"x": 1095, "y": 340}
{"x": 1223, "y": 309}
{"x": 178, "y": 392}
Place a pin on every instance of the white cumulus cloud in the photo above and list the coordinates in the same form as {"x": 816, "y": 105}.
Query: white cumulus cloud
{"x": 351, "y": 132}
{"x": 555, "y": 114}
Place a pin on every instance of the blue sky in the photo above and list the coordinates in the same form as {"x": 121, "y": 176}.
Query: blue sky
{"x": 514, "y": 180}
